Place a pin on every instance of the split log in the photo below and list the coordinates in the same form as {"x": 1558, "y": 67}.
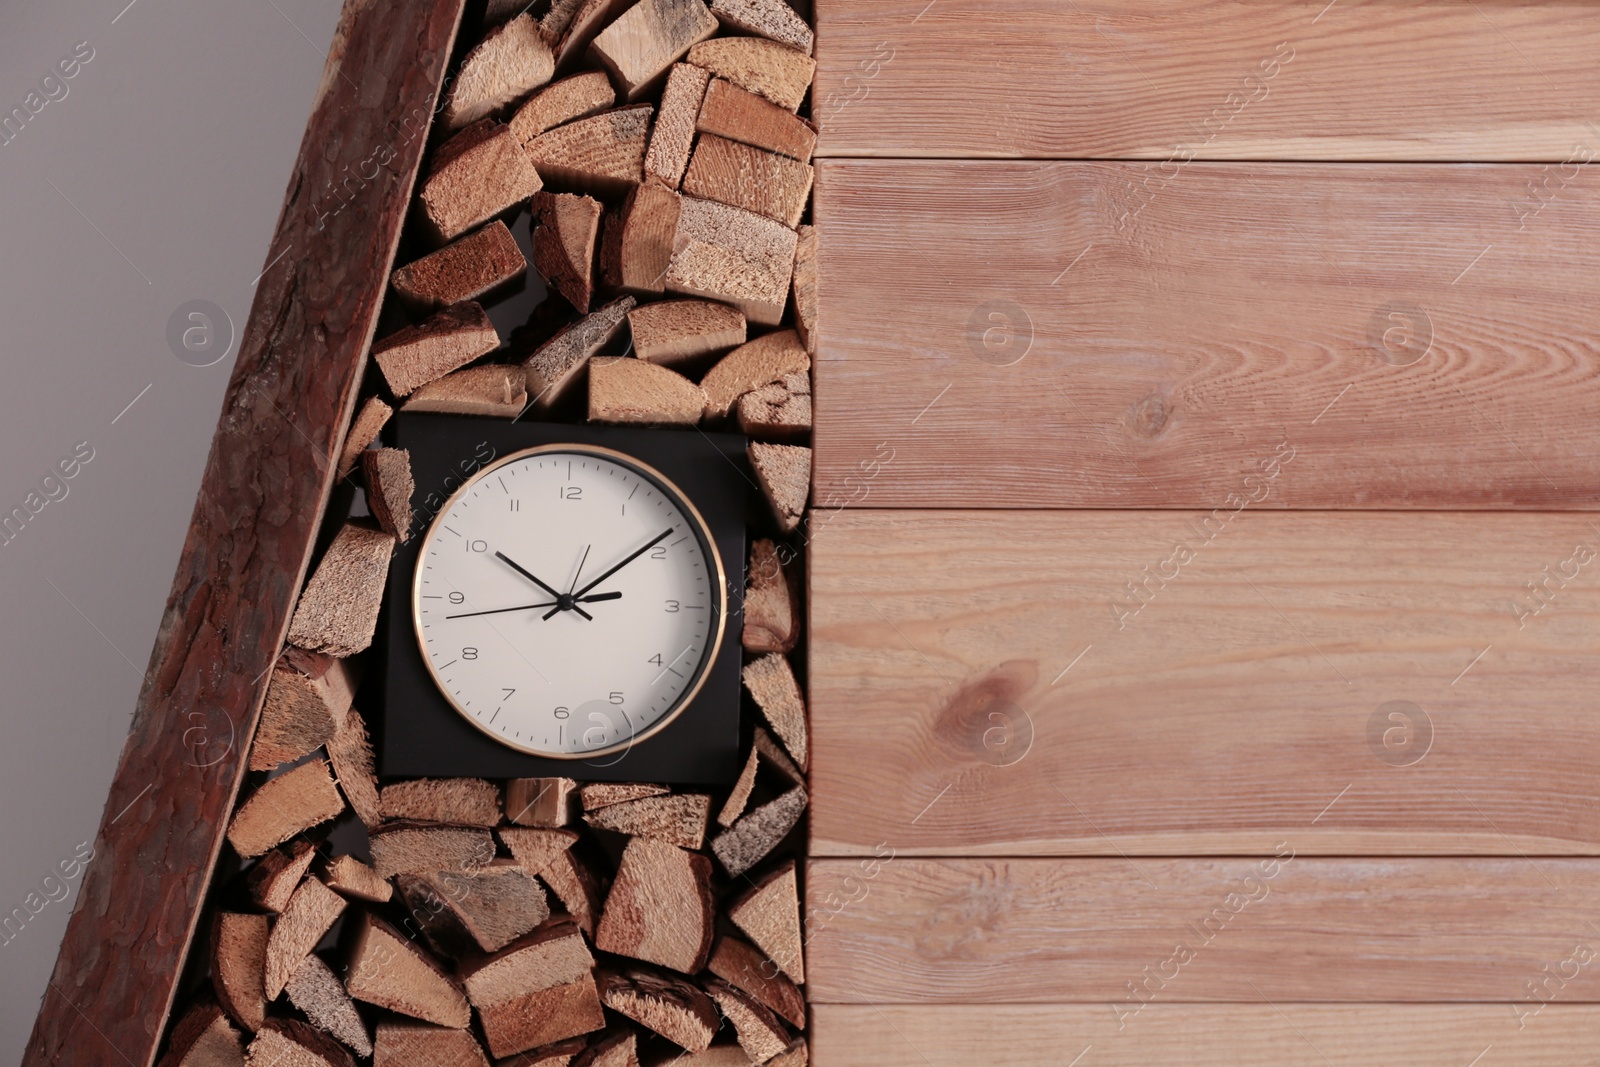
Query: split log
{"x": 561, "y": 102}
{"x": 350, "y": 752}
{"x": 576, "y": 885}
{"x": 546, "y": 802}
{"x": 660, "y": 907}
{"x": 760, "y": 1033}
{"x": 777, "y": 411}
{"x": 671, "y": 1006}
{"x": 289, "y": 804}
{"x": 620, "y": 1049}
{"x": 386, "y": 969}
{"x": 684, "y": 333}
{"x": 204, "y": 1038}
{"x": 628, "y": 390}
{"x": 554, "y": 22}
{"x": 798, "y": 1054}
{"x": 750, "y": 366}
{"x": 537, "y": 991}
{"x": 673, "y": 135}
{"x": 402, "y": 848}
{"x": 772, "y": 19}
{"x": 306, "y": 703}
{"x": 774, "y": 755}
{"x": 454, "y": 801}
{"x": 771, "y": 601}
{"x": 354, "y": 880}
{"x": 465, "y": 269}
{"x": 648, "y": 38}
{"x": 742, "y": 966}
{"x": 750, "y": 178}
{"x": 716, "y": 1056}
{"x": 389, "y": 487}
{"x": 363, "y": 431}
{"x": 403, "y": 1043}
{"x": 565, "y": 227}
{"x": 739, "y": 796}
{"x": 509, "y": 63}
{"x": 415, "y": 355}
{"x": 749, "y": 840}
{"x": 805, "y": 287}
{"x": 580, "y": 23}
{"x": 535, "y": 849}
{"x": 239, "y": 966}
{"x": 495, "y": 390}
{"x": 735, "y": 256}
{"x": 292, "y": 1043}
{"x": 310, "y": 914}
{"x": 338, "y": 609}
{"x": 320, "y": 996}
{"x": 602, "y": 154}
{"x": 560, "y": 363}
{"x": 784, "y": 472}
{"x": 638, "y": 240}
{"x": 558, "y": 1054}
{"x": 484, "y": 910}
{"x": 597, "y": 795}
{"x": 275, "y": 876}
{"x": 739, "y": 115}
{"x": 479, "y": 174}
{"x": 770, "y": 914}
{"x": 775, "y": 71}
{"x": 678, "y": 820}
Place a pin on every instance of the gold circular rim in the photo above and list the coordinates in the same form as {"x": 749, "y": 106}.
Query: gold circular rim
{"x": 702, "y": 532}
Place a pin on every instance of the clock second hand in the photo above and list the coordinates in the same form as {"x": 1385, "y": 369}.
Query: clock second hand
{"x": 526, "y": 607}
{"x": 535, "y": 580}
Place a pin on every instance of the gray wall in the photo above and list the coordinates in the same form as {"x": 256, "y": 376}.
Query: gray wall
{"x": 155, "y": 180}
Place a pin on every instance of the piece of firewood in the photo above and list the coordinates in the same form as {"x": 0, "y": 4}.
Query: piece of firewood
{"x": 289, "y": 804}
{"x": 679, "y": 820}
{"x": 554, "y": 22}
{"x": 671, "y": 1006}
{"x": 576, "y": 885}
{"x": 533, "y": 848}
{"x": 638, "y": 239}
{"x": 740, "y": 115}
{"x": 739, "y": 796}
{"x": 798, "y": 1054}
{"x": 495, "y": 390}
{"x": 292, "y": 1043}
{"x": 238, "y": 966}
{"x": 389, "y": 487}
{"x": 778, "y": 411}
{"x": 805, "y": 287}
{"x": 204, "y": 1038}
{"x": 415, "y": 355}
{"x": 404, "y": 1043}
{"x": 753, "y": 364}
{"x": 628, "y": 390}
{"x": 561, "y": 102}
{"x": 560, "y": 363}
{"x": 620, "y": 1049}
{"x": 565, "y": 227}
{"x": 660, "y": 907}
{"x": 771, "y": 682}
{"x": 748, "y": 841}
{"x": 479, "y": 174}
{"x": 750, "y": 178}
{"x": 580, "y": 26}
{"x": 771, "y": 601}
{"x": 354, "y": 880}
{"x": 483, "y": 910}
{"x": 772, "y": 19}
{"x": 311, "y": 912}
{"x": 602, "y": 154}
{"x": 406, "y": 848}
{"x": 454, "y": 801}
{"x": 775, "y": 71}
{"x": 363, "y": 431}
{"x": 770, "y": 914}
{"x": 741, "y": 965}
{"x": 320, "y": 995}
{"x": 546, "y": 802}
{"x": 556, "y": 1054}
{"x": 716, "y": 1056}
{"x": 597, "y": 795}
{"x": 509, "y": 63}
{"x": 774, "y": 756}
{"x": 463, "y": 270}
{"x": 307, "y": 698}
{"x": 649, "y": 37}
{"x": 275, "y": 876}
{"x": 350, "y": 752}
{"x": 536, "y": 991}
{"x": 761, "y": 1034}
{"x": 338, "y": 609}
{"x": 673, "y": 135}
{"x": 684, "y": 333}
{"x": 735, "y": 256}
{"x": 386, "y": 969}
{"x": 784, "y": 472}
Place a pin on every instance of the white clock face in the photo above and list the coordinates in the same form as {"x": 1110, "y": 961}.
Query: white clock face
{"x": 568, "y": 601}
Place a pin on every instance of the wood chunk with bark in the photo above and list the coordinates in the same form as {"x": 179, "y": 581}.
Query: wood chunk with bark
{"x": 648, "y": 38}
{"x": 628, "y": 390}
{"x": 307, "y": 699}
{"x": 565, "y": 227}
{"x": 546, "y": 802}
{"x": 740, "y": 115}
{"x": 363, "y": 431}
{"x": 784, "y": 472}
{"x": 561, "y": 102}
{"x": 560, "y": 363}
{"x": 684, "y": 333}
{"x": 760, "y": 1032}
{"x": 770, "y": 914}
{"x": 580, "y": 23}
{"x": 386, "y": 969}
{"x": 483, "y": 910}
{"x": 275, "y": 876}
{"x": 403, "y": 1043}
{"x": 597, "y": 795}
{"x": 479, "y": 174}
{"x": 619, "y": 1049}
{"x": 238, "y": 966}
{"x": 772, "y": 19}
{"x": 750, "y": 178}
{"x": 678, "y": 820}
{"x": 673, "y": 135}
{"x": 292, "y": 1043}
{"x": 453, "y": 801}
{"x": 805, "y": 287}
{"x": 204, "y": 1038}
{"x": 338, "y": 609}
{"x": 735, "y": 256}
{"x": 778, "y": 411}
{"x": 638, "y": 239}
{"x": 463, "y": 270}
{"x": 354, "y": 880}
{"x": 750, "y": 366}
{"x": 745, "y": 968}
{"x": 557, "y": 1054}
{"x": 310, "y": 914}
{"x": 602, "y": 154}
{"x": 771, "y": 682}
{"x": 509, "y": 63}
{"x": 415, "y": 355}
{"x": 320, "y": 996}
{"x": 771, "y": 70}
{"x": 660, "y": 907}
{"x": 771, "y": 601}
{"x": 534, "y": 849}
{"x": 403, "y": 848}
{"x": 671, "y": 1006}
{"x": 494, "y": 390}
{"x": 748, "y": 841}
{"x": 350, "y": 752}
{"x": 576, "y": 885}
{"x": 536, "y": 991}
{"x": 389, "y": 487}
{"x": 282, "y": 807}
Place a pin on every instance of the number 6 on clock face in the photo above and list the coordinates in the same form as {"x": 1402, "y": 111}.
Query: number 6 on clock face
{"x": 569, "y": 600}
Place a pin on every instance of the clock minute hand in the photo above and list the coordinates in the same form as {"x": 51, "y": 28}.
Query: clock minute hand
{"x": 647, "y": 546}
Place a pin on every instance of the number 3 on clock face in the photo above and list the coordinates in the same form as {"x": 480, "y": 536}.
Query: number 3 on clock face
{"x": 569, "y": 600}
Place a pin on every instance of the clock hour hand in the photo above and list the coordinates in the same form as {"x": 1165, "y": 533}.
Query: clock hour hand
{"x": 526, "y": 607}
{"x": 635, "y": 554}
{"x": 535, "y": 580}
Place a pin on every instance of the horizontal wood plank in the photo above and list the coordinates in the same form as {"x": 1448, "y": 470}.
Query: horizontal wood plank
{"x": 1208, "y": 79}
{"x": 1093, "y": 682}
{"x": 1059, "y": 335}
{"x": 1118, "y": 932}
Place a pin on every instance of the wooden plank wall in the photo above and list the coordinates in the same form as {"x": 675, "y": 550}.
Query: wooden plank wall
{"x": 1204, "y": 609}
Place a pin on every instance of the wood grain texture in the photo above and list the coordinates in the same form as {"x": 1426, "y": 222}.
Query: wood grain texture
{"x": 1044, "y": 931}
{"x": 1216, "y": 79}
{"x": 261, "y": 500}
{"x": 1059, "y": 334}
{"x": 987, "y": 682}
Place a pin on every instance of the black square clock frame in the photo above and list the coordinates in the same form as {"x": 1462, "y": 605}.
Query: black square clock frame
{"x": 420, "y": 734}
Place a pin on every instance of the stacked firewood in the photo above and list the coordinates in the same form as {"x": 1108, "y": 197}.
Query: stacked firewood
{"x": 659, "y": 150}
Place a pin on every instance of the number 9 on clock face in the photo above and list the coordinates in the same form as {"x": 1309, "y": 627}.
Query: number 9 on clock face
{"x": 569, "y": 601}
